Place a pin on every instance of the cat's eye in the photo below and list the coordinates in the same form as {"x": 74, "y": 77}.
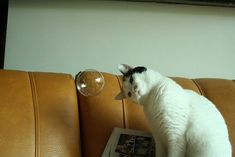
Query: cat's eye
{"x": 129, "y": 94}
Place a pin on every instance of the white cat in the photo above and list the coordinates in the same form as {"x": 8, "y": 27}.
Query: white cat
{"x": 183, "y": 123}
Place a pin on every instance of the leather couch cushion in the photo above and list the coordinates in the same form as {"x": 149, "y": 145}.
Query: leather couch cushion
{"x": 38, "y": 115}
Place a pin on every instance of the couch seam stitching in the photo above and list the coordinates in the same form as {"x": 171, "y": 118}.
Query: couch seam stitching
{"x": 123, "y": 104}
{"x": 199, "y": 87}
{"x": 36, "y": 114}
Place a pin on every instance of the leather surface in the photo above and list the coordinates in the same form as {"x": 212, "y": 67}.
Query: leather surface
{"x": 17, "y": 132}
{"x": 38, "y": 115}
{"x": 100, "y": 114}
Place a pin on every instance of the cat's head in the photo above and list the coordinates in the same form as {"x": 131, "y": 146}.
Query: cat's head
{"x": 134, "y": 82}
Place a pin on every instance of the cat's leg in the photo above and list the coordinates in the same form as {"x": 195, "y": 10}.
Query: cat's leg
{"x": 159, "y": 148}
{"x": 177, "y": 148}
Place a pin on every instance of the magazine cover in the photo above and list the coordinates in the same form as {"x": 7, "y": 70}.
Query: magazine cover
{"x": 129, "y": 143}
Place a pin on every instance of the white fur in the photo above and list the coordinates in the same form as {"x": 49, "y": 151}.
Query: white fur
{"x": 183, "y": 123}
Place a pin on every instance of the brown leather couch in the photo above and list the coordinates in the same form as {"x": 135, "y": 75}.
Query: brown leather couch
{"x": 41, "y": 114}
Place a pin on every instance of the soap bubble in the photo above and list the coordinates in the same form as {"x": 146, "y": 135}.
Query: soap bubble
{"x": 90, "y": 82}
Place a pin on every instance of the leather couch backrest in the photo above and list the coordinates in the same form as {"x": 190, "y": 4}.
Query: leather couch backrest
{"x": 100, "y": 114}
{"x": 38, "y": 115}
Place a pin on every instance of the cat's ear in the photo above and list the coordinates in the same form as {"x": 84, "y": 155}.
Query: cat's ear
{"x": 124, "y": 68}
{"x": 120, "y": 96}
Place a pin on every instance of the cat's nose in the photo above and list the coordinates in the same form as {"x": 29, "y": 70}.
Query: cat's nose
{"x": 135, "y": 88}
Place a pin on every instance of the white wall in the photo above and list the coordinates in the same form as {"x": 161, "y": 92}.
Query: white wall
{"x": 69, "y": 36}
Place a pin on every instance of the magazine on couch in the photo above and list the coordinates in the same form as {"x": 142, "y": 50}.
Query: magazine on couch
{"x": 129, "y": 143}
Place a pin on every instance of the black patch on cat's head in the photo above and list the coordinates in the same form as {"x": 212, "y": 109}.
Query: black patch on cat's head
{"x": 131, "y": 79}
{"x": 135, "y": 70}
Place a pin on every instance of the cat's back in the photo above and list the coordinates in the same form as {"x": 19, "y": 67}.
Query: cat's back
{"x": 207, "y": 129}
{"x": 204, "y": 110}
